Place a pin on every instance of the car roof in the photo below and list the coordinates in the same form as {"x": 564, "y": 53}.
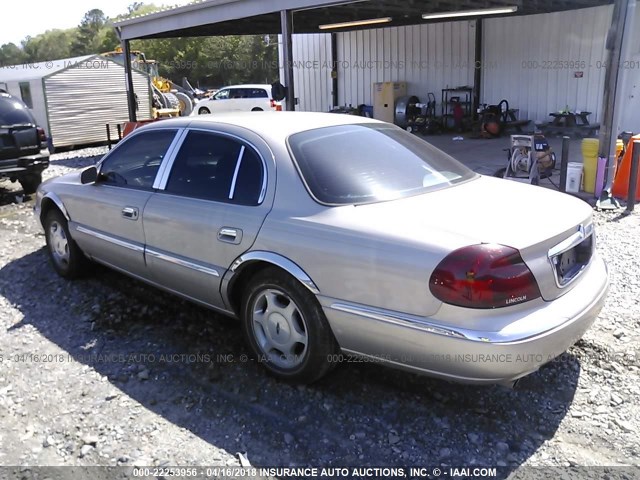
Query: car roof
{"x": 274, "y": 125}
{"x": 247, "y": 85}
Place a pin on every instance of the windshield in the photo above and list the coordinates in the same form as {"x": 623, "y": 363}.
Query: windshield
{"x": 365, "y": 163}
{"x": 13, "y": 112}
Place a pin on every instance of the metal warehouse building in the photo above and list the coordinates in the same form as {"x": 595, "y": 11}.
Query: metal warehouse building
{"x": 73, "y": 98}
{"x": 543, "y": 56}
{"x": 540, "y": 63}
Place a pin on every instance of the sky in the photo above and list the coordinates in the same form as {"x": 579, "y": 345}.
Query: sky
{"x": 31, "y": 17}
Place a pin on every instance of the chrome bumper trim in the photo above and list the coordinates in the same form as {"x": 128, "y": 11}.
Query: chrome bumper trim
{"x": 398, "y": 319}
{"x": 485, "y": 337}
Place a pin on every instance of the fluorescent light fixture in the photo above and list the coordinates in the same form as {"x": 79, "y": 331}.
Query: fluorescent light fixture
{"x": 470, "y": 13}
{"x": 355, "y": 23}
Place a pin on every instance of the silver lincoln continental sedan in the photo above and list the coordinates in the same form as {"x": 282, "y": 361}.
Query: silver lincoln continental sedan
{"x": 333, "y": 235}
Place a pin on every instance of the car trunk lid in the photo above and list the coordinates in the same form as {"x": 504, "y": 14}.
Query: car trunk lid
{"x": 552, "y": 231}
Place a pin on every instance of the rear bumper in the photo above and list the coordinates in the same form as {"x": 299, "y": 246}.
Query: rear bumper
{"x": 16, "y": 167}
{"x": 424, "y": 345}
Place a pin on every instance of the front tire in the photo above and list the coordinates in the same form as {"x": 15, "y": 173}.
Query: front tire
{"x": 185, "y": 103}
{"x": 203, "y": 111}
{"x": 65, "y": 255}
{"x": 286, "y": 328}
{"x": 30, "y": 183}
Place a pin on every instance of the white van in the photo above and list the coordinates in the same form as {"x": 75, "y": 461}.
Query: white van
{"x": 238, "y": 98}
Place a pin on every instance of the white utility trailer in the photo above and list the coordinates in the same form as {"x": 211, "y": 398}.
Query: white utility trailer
{"x": 74, "y": 98}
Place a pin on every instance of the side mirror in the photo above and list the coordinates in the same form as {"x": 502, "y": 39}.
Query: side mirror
{"x": 89, "y": 175}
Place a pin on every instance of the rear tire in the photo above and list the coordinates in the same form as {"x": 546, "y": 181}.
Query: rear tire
{"x": 257, "y": 109}
{"x": 286, "y": 328}
{"x": 30, "y": 182}
{"x": 65, "y": 255}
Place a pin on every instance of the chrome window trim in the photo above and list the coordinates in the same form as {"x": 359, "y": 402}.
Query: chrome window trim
{"x": 182, "y": 263}
{"x": 110, "y": 239}
{"x": 172, "y": 152}
{"x": 128, "y": 138}
{"x": 232, "y": 189}
{"x": 263, "y": 192}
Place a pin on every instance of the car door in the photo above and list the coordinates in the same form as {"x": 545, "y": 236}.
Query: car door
{"x": 221, "y": 101}
{"x": 259, "y": 99}
{"x": 207, "y": 212}
{"x": 237, "y": 100}
{"x": 106, "y": 216}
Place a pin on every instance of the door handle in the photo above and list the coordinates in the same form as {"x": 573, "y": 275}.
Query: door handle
{"x": 130, "y": 212}
{"x": 230, "y": 235}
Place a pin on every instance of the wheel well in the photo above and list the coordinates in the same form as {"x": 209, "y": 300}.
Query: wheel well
{"x": 257, "y": 109}
{"x": 45, "y": 207}
{"x": 242, "y": 278}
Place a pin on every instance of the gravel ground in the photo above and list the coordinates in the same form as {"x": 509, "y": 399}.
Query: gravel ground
{"x": 108, "y": 371}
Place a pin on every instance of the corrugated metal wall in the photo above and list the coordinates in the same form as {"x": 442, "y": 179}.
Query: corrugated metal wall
{"x": 428, "y": 57}
{"x": 88, "y": 95}
{"x": 312, "y": 71}
{"x": 529, "y": 60}
{"x": 532, "y": 61}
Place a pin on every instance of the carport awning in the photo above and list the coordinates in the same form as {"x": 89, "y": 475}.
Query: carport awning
{"x": 249, "y": 17}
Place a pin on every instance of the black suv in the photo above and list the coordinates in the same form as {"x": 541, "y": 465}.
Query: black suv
{"x": 23, "y": 145}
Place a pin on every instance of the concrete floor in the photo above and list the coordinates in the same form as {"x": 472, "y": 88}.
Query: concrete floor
{"x": 486, "y": 156}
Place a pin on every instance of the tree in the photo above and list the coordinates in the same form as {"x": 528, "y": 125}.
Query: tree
{"x": 205, "y": 61}
{"x": 50, "y": 45}
{"x": 88, "y": 38}
{"x": 11, "y": 54}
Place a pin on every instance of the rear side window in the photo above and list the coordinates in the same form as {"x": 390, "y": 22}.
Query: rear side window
{"x": 366, "y": 163}
{"x": 13, "y": 112}
{"x": 25, "y": 93}
{"x": 136, "y": 162}
{"x": 214, "y": 167}
{"x": 258, "y": 93}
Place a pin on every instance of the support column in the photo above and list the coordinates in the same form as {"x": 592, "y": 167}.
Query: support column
{"x": 286, "y": 25}
{"x": 614, "y": 45}
{"x": 334, "y": 69}
{"x": 477, "y": 73}
{"x": 131, "y": 97}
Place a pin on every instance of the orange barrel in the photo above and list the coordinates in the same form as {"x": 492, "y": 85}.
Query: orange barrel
{"x": 620, "y": 187}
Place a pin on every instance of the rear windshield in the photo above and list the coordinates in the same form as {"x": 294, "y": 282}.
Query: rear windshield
{"x": 14, "y": 112}
{"x": 366, "y": 163}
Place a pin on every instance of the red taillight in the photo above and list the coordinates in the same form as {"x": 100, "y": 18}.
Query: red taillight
{"x": 483, "y": 276}
{"x": 42, "y": 136}
{"x": 275, "y": 105}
